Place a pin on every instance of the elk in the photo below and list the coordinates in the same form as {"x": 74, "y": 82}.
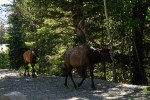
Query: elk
{"x": 29, "y": 57}
{"x": 84, "y": 56}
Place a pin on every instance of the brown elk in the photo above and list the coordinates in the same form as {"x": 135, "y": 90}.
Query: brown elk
{"x": 29, "y": 57}
{"x": 82, "y": 57}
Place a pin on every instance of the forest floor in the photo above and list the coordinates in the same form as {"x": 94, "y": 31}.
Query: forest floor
{"x": 52, "y": 88}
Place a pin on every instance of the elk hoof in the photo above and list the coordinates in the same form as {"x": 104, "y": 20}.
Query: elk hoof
{"x": 33, "y": 75}
{"x": 28, "y": 75}
{"x": 25, "y": 75}
{"x": 79, "y": 85}
{"x": 65, "y": 85}
{"x": 75, "y": 86}
{"x": 93, "y": 87}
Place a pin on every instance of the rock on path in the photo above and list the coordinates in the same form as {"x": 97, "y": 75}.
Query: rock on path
{"x": 52, "y": 88}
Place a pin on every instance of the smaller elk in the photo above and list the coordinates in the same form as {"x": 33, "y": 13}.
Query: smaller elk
{"x": 82, "y": 57}
{"x": 29, "y": 57}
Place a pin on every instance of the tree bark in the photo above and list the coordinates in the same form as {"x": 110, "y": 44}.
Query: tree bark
{"x": 138, "y": 70}
{"x": 110, "y": 42}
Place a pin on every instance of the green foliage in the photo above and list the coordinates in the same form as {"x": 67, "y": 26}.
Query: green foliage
{"x": 2, "y": 33}
{"x": 148, "y": 14}
{"x": 145, "y": 91}
{"x": 4, "y": 61}
{"x": 48, "y": 25}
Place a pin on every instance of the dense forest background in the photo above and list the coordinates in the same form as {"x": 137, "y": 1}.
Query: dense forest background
{"x": 52, "y": 26}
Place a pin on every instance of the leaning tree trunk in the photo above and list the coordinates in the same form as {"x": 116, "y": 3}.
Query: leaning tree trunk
{"x": 138, "y": 69}
{"x": 110, "y": 43}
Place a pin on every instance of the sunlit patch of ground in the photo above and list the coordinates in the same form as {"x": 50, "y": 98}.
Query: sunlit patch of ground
{"x": 9, "y": 73}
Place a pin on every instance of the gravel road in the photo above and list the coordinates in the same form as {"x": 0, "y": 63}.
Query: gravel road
{"x": 52, "y": 88}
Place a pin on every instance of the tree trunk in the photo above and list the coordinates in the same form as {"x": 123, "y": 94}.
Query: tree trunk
{"x": 110, "y": 41}
{"x": 139, "y": 14}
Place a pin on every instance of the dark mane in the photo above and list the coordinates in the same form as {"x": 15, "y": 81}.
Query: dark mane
{"x": 95, "y": 56}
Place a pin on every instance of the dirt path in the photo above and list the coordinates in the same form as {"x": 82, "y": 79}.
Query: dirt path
{"x": 52, "y": 88}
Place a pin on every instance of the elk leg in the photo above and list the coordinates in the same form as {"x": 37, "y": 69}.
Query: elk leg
{"x": 26, "y": 70}
{"x": 33, "y": 71}
{"x": 70, "y": 74}
{"x": 104, "y": 66}
{"x": 83, "y": 76}
{"x": 67, "y": 73}
{"x": 92, "y": 76}
{"x": 66, "y": 80}
{"x": 75, "y": 86}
